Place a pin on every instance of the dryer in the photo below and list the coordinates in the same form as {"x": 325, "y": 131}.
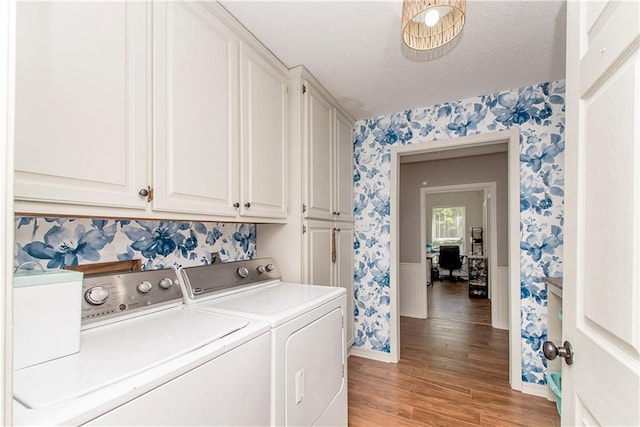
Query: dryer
{"x": 308, "y": 342}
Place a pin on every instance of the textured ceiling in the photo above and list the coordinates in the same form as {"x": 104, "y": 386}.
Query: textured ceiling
{"x": 355, "y": 50}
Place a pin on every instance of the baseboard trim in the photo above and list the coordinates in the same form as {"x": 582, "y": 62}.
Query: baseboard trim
{"x": 370, "y": 354}
{"x": 538, "y": 390}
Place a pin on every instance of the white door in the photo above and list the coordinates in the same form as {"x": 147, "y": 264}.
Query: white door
{"x": 319, "y": 268}
{"x": 263, "y": 137}
{"x": 82, "y": 105}
{"x": 601, "y": 294}
{"x": 319, "y": 137}
{"x": 344, "y": 270}
{"x": 195, "y": 92}
{"x": 343, "y": 186}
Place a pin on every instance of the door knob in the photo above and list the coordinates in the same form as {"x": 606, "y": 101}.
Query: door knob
{"x": 551, "y": 351}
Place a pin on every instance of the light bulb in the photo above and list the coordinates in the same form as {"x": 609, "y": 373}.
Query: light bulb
{"x": 431, "y": 18}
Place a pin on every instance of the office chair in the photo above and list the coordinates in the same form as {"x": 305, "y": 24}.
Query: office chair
{"x": 450, "y": 259}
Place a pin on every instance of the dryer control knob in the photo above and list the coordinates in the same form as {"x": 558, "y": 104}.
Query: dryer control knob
{"x": 165, "y": 283}
{"x": 144, "y": 287}
{"x": 243, "y": 272}
{"x": 260, "y": 269}
{"x": 269, "y": 268}
{"x": 97, "y": 295}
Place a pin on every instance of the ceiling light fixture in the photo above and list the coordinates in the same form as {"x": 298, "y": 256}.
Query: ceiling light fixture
{"x": 430, "y": 24}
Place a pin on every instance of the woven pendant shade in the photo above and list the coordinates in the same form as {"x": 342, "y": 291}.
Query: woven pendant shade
{"x": 417, "y": 35}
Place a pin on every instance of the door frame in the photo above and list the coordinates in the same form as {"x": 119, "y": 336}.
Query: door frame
{"x": 491, "y": 233}
{"x": 7, "y": 112}
{"x": 512, "y": 138}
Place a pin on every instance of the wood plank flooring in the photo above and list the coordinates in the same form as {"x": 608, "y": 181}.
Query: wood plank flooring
{"x": 451, "y": 373}
{"x": 450, "y": 300}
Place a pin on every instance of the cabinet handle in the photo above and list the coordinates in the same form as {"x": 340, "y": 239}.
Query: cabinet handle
{"x": 236, "y": 205}
{"x": 146, "y": 192}
{"x": 333, "y": 245}
{"x": 247, "y": 205}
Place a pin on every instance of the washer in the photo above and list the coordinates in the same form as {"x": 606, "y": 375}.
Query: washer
{"x": 308, "y": 341}
{"x": 146, "y": 359}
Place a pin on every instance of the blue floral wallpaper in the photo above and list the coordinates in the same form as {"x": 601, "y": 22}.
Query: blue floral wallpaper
{"x": 538, "y": 111}
{"x": 59, "y": 242}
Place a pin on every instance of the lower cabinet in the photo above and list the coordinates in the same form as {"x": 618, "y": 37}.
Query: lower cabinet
{"x": 329, "y": 259}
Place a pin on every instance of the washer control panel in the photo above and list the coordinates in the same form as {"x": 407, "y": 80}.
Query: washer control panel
{"x": 109, "y": 295}
{"x": 206, "y": 280}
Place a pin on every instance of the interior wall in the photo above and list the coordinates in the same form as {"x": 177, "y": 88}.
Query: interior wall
{"x": 462, "y": 170}
{"x": 537, "y": 114}
{"x": 472, "y": 202}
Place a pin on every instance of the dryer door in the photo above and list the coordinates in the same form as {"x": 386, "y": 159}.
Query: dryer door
{"x": 314, "y": 368}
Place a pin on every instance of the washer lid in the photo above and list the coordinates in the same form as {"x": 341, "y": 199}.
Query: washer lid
{"x": 111, "y": 353}
{"x": 276, "y": 303}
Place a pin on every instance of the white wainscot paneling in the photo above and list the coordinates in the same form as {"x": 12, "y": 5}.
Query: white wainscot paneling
{"x": 500, "y": 299}
{"x": 413, "y": 291}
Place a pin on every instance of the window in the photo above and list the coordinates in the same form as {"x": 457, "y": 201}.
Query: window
{"x": 447, "y": 226}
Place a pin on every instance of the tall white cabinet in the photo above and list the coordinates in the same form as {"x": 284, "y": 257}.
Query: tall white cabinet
{"x": 316, "y": 246}
{"x": 152, "y": 110}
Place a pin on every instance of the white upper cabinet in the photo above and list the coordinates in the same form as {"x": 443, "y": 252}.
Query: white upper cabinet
{"x": 263, "y": 139}
{"x": 171, "y": 109}
{"x": 318, "y": 121}
{"x": 329, "y": 158}
{"x": 343, "y": 176}
{"x": 195, "y": 112}
{"x": 81, "y": 103}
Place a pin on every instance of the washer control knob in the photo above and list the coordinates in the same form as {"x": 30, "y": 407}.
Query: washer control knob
{"x": 144, "y": 287}
{"x": 165, "y": 283}
{"x": 243, "y": 272}
{"x": 269, "y": 268}
{"x": 260, "y": 269}
{"x": 96, "y": 295}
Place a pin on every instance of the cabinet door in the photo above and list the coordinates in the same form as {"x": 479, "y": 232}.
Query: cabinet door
{"x": 343, "y": 175}
{"x": 319, "y": 135}
{"x": 344, "y": 270}
{"x": 195, "y": 97}
{"x": 318, "y": 241}
{"x": 263, "y": 137}
{"x": 81, "y": 102}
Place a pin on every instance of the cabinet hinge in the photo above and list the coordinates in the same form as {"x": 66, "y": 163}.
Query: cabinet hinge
{"x": 304, "y": 88}
{"x": 304, "y": 229}
{"x": 150, "y": 195}
{"x": 304, "y": 207}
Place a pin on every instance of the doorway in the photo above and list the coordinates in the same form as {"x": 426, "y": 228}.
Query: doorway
{"x": 497, "y": 294}
{"x": 465, "y": 146}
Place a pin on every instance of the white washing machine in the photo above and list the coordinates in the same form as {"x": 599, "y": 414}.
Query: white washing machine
{"x": 308, "y": 349}
{"x": 146, "y": 359}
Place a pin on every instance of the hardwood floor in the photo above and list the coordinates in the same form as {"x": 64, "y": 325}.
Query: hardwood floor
{"x": 452, "y": 372}
{"x": 450, "y": 300}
